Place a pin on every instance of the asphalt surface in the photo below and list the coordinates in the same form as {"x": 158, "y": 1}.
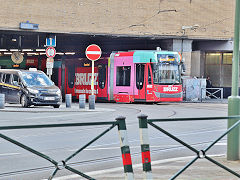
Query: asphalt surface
{"x": 162, "y": 168}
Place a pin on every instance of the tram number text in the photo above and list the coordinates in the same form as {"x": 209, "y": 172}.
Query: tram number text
{"x": 170, "y": 89}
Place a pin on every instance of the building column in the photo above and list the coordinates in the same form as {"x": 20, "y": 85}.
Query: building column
{"x": 184, "y": 46}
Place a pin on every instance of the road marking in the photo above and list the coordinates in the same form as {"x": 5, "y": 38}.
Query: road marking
{"x": 75, "y": 114}
{"x": 91, "y": 173}
{"x": 220, "y": 144}
{"x": 9, "y": 154}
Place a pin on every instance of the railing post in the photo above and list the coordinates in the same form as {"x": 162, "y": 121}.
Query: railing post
{"x": 233, "y": 149}
{"x": 145, "y": 148}
{"x": 125, "y": 150}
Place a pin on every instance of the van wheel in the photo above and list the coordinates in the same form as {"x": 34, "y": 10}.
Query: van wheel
{"x": 24, "y": 101}
{"x": 56, "y": 106}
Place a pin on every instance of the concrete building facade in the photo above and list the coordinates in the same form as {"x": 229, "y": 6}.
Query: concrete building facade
{"x": 202, "y": 30}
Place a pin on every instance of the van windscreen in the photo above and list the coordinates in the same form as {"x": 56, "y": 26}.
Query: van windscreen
{"x": 36, "y": 79}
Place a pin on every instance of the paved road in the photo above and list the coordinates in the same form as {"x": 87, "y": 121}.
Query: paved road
{"x": 60, "y": 143}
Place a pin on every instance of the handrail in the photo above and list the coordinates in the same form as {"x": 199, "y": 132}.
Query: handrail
{"x": 34, "y": 126}
{"x": 120, "y": 122}
{"x": 212, "y": 94}
{"x": 192, "y": 119}
{"x": 145, "y": 145}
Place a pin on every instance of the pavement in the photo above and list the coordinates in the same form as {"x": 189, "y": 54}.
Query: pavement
{"x": 74, "y": 108}
{"x": 202, "y": 169}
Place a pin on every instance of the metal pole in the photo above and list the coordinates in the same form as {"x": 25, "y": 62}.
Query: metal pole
{"x": 234, "y": 99}
{"x": 125, "y": 149}
{"x": 91, "y": 98}
{"x": 92, "y": 84}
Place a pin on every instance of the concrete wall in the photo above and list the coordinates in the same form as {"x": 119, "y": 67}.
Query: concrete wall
{"x": 185, "y": 47}
{"x": 214, "y": 19}
{"x": 197, "y": 64}
{"x": 215, "y": 45}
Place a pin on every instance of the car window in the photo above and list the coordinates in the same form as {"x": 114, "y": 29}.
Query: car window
{"x": 7, "y": 78}
{"x": 1, "y": 74}
{"x": 15, "y": 80}
{"x": 36, "y": 79}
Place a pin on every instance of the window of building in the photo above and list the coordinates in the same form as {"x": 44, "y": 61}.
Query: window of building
{"x": 213, "y": 58}
{"x": 123, "y": 75}
{"x": 227, "y": 58}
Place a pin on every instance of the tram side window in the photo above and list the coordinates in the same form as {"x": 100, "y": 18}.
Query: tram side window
{"x": 140, "y": 75}
{"x": 123, "y": 75}
{"x": 102, "y": 76}
{"x": 155, "y": 73}
{"x": 149, "y": 76}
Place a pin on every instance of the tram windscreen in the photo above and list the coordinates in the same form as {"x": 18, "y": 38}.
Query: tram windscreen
{"x": 166, "y": 70}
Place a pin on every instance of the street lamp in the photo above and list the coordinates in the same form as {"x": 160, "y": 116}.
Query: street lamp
{"x": 234, "y": 99}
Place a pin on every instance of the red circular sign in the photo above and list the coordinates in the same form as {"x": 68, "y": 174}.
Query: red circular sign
{"x": 50, "y": 52}
{"x": 93, "y": 52}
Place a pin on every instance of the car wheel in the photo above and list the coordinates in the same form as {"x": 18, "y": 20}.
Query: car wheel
{"x": 56, "y": 106}
{"x": 24, "y": 101}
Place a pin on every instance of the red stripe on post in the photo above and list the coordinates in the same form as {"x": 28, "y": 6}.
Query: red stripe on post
{"x": 146, "y": 157}
{"x": 126, "y": 159}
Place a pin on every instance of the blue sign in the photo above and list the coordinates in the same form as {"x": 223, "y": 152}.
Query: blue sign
{"x": 28, "y": 25}
{"x": 51, "y": 41}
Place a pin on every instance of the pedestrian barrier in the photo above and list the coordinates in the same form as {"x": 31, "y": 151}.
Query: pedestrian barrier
{"x": 200, "y": 154}
{"x": 120, "y": 122}
{"x": 212, "y": 93}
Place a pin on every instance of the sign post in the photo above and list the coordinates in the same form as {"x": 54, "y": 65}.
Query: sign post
{"x": 93, "y": 53}
{"x": 50, "y": 52}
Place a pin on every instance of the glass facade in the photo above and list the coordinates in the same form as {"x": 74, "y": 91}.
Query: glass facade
{"x": 213, "y": 58}
{"x": 219, "y": 68}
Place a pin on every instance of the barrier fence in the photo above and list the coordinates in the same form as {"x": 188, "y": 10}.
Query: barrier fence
{"x": 124, "y": 145}
{"x": 213, "y": 93}
{"x": 120, "y": 123}
{"x": 200, "y": 154}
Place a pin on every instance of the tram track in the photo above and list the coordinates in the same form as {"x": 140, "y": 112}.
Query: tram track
{"x": 131, "y": 120}
{"x": 154, "y": 150}
{"x": 99, "y": 160}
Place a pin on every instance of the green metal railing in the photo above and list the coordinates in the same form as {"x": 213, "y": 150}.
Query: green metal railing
{"x": 200, "y": 154}
{"x": 63, "y": 164}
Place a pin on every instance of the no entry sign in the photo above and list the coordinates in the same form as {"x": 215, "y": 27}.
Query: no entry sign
{"x": 50, "y": 52}
{"x": 93, "y": 52}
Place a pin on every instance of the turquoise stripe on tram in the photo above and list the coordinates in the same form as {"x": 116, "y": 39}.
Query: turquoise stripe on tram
{"x": 145, "y": 56}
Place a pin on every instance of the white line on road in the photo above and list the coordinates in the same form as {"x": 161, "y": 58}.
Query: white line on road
{"x": 74, "y": 176}
{"x": 62, "y": 115}
{"x": 9, "y": 154}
